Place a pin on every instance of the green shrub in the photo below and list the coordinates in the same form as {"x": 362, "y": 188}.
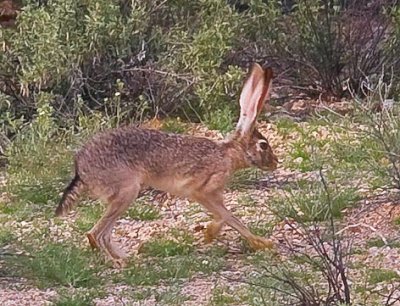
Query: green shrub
{"x": 186, "y": 58}
{"x": 323, "y": 44}
{"x": 167, "y": 56}
{"x": 54, "y": 39}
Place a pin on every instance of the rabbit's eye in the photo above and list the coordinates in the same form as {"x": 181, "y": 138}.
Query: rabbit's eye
{"x": 263, "y": 145}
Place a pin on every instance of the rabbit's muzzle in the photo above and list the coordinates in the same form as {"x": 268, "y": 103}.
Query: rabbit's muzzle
{"x": 269, "y": 162}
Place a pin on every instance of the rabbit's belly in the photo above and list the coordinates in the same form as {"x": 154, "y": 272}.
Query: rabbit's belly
{"x": 176, "y": 186}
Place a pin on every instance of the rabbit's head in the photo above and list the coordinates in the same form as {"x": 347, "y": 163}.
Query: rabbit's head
{"x": 260, "y": 153}
{"x": 254, "y": 94}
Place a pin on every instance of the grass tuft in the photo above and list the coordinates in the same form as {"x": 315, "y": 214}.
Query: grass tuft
{"x": 173, "y": 125}
{"x": 152, "y": 271}
{"x": 6, "y": 236}
{"x": 60, "y": 264}
{"x": 310, "y": 203}
{"x": 376, "y": 276}
{"x": 172, "y": 296}
{"x": 143, "y": 211}
{"x": 166, "y": 247}
{"x": 243, "y": 179}
{"x": 88, "y": 214}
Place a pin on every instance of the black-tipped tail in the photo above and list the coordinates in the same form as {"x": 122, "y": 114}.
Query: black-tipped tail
{"x": 70, "y": 196}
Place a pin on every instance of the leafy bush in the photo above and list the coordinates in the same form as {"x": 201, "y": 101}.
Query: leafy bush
{"x": 56, "y": 45}
{"x": 322, "y": 44}
{"x": 135, "y": 59}
{"x": 147, "y": 54}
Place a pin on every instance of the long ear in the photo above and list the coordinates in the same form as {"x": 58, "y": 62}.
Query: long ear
{"x": 254, "y": 94}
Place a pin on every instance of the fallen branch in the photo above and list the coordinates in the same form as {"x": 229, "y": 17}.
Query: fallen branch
{"x": 366, "y": 226}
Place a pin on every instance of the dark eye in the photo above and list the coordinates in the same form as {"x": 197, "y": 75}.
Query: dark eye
{"x": 263, "y": 145}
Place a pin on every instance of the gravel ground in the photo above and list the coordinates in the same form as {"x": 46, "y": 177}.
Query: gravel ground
{"x": 372, "y": 218}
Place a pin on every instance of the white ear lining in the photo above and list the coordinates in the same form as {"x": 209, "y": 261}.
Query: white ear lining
{"x": 253, "y": 96}
{"x": 251, "y": 93}
{"x": 249, "y": 112}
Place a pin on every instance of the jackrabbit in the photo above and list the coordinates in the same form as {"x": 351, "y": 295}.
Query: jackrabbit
{"x": 116, "y": 164}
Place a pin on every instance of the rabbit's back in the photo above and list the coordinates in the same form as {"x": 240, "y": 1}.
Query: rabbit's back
{"x": 162, "y": 160}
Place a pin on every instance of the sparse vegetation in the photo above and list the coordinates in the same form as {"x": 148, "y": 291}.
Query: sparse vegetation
{"x": 242, "y": 179}
{"x": 309, "y": 278}
{"x": 378, "y": 242}
{"x": 171, "y": 297}
{"x": 88, "y": 215}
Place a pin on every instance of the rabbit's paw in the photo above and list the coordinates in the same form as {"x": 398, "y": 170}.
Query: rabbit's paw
{"x": 260, "y": 243}
{"x": 212, "y": 231}
{"x": 119, "y": 263}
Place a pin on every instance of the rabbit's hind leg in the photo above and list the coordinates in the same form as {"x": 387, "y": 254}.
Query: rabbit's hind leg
{"x": 100, "y": 235}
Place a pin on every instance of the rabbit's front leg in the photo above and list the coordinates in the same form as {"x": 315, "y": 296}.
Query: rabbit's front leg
{"x": 213, "y": 202}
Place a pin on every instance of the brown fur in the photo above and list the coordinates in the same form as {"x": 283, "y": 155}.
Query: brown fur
{"x": 116, "y": 164}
